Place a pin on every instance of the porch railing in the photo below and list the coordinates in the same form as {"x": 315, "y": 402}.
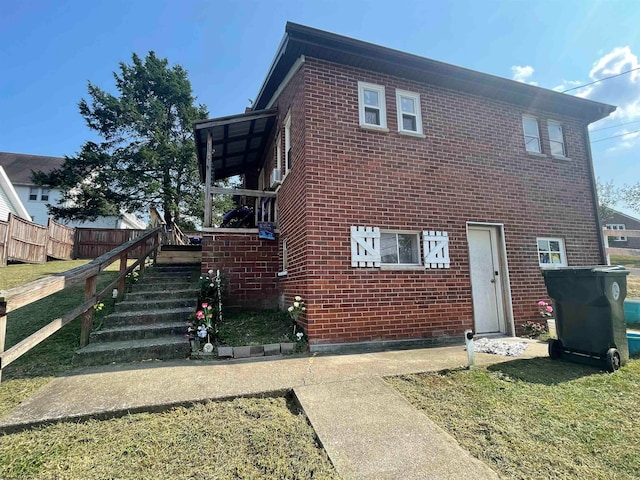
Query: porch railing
{"x": 265, "y": 203}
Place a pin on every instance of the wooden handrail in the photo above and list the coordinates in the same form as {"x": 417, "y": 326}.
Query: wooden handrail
{"x": 15, "y": 298}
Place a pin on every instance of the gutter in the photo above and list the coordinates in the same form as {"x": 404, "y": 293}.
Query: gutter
{"x": 594, "y": 196}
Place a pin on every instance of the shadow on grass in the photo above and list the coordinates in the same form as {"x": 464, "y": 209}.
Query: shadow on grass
{"x": 544, "y": 370}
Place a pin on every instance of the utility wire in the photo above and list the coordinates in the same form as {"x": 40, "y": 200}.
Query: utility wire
{"x": 614, "y": 126}
{"x": 601, "y": 80}
{"x": 614, "y": 136}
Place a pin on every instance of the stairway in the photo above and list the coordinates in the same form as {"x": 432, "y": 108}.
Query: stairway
{"x": 151, "y": 321}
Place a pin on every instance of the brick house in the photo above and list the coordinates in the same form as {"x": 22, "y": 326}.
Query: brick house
{"x": 620, "y": 221}
{"x": 412, "y": 199}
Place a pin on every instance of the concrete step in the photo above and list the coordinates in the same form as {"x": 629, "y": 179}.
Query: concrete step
{"x": 156, "y": 286}
{"x": 139, "y": 332}
{"x": 148, "y": 317}
{"x": 190, "y": 292}
{"x": 161, "y": 348}
{"x": 144, "y": 303}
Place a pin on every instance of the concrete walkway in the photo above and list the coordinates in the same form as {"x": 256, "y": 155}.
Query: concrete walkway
{"x": 352, "y": 381}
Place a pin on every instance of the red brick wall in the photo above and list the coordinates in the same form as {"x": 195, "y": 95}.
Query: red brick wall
{"x": 249, "y": 264}
{"x": 471, "y": 167}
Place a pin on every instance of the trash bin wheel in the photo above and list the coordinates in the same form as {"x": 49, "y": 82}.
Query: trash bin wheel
{"x": 555, "y": 349}
{"x": 613, "y": 360}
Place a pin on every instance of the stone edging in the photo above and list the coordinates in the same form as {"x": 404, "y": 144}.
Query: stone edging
{"x": 247, "y": 351}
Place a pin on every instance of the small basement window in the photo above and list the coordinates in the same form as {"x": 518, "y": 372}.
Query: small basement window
{"x": 399, "y": 248}
{"x": 551, "y": 252}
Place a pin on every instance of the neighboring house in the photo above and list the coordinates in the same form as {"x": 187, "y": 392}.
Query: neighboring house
{"x": 620, "y": 221}
{"x": 35, "y": 198}
{"x": 415, "y": 199}
{"x": 9, "y": 200}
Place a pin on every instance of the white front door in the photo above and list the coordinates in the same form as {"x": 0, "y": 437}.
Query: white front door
{"x": 486, "y": 282}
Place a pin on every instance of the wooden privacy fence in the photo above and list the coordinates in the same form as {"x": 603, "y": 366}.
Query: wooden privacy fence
{"x": 4, "y": 228}
{"x": 94, "y": 242}
{"x": 25, "y": 241}
{"x": 15, "y": 298}
{"x": 632, "y": 252}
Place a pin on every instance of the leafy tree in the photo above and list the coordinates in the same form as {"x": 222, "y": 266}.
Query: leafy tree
{"x": 608, "y": 196}
{"x": 147, "y": 153}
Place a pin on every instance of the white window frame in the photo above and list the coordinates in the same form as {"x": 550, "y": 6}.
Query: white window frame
{"x": 285, "y": 260}
{"x": 417, "y": 115}
{"x": 531, "y": 138}
{"x": 287, "y": 144}
{"x": 382, "y": 108}
{"x": 616, "y": 226}
{"x": 550, "y": 124}
{"x": 45, "y": 192}
{"x": 33, "y": 194}
{"x": 396, "y": 233}
{"x": 278, "y": 151}
{"x": 563, "y": 254}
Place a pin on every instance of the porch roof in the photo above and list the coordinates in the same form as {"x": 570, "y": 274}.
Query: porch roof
{"x": 239, "y": 142}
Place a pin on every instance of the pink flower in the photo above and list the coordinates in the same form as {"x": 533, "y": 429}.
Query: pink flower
{"x": 549, "y": 308}
{"x": 199, "y": 315}
{"x": 205, "y": 305}
{"x": 542, "y": 303}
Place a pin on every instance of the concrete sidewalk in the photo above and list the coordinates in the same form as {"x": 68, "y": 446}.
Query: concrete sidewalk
{"x": 150, "y": 386}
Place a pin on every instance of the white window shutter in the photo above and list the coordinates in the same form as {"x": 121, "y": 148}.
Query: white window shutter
{"x": 365, "y": 247}
{"x": 436, "y": 249}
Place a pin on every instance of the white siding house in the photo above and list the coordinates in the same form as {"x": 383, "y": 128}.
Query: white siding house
{"x": 19, "y": 167}
{"x": 9, "y": 199}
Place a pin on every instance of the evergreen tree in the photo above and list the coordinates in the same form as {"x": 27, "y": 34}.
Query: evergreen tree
{"x": 147, "y": 153}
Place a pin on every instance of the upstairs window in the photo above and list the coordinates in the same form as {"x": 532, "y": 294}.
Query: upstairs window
{"x": 33, "y": 193}
{"x": 617, "y": 226}
{"x": 288, "y": 160}
{"x": 556, "y": 139}
{"x": 44, "y": 194}
{"x": 371, "y": 100}
{"x": 531, "y": 134}
{"x": 408, "y": 107}
{"x": 551, "y": 252}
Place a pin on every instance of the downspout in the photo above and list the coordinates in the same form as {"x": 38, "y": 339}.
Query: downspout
{"x": 594, "y": 195}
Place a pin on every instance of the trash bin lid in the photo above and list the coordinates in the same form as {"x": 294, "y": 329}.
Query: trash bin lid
{"x": 598, "y": 270}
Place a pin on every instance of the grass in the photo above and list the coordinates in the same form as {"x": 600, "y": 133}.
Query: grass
{"x": 239, "y": 439}
{"x": 53, "y": 356}
{"x": 256, "y": 328}
{"x": 538, "y": 419}
{"x": 627, "y": 261}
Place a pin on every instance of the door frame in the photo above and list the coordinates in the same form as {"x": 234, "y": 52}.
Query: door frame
{"x": 507, "y": 325}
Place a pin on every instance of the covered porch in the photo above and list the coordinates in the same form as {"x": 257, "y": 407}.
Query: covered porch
{"x": 231, "y": 146}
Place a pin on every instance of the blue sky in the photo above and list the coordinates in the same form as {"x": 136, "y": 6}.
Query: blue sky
{"x": 50, "y": 49}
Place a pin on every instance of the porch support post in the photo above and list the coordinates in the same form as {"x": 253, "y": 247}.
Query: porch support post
{"x": 208, "y": 201}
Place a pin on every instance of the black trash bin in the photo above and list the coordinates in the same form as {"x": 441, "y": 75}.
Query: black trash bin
{"x": 589, "y": 311}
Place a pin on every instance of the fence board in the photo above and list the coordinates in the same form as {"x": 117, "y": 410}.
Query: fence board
{"x": 4, "y": 228}
{"x": 94, "y": 242}
{"x": 60, "y": 241}
{"x": 26, "y": 241}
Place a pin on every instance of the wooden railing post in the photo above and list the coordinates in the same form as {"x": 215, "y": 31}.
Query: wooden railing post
{"x": 123, "y": 268}
{"x": 3, "y": 331}
{"x": 87, "y": 318}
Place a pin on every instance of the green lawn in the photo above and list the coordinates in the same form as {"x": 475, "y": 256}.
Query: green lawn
{"x": 240, "y": 439}
{"x": 53, "y": 356}
{"x": 538, "y": 419}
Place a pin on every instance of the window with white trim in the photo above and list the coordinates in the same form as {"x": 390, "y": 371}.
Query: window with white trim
{"x": 556, "y": 139}
{"x": 44, "y": 194}
{"x": 288, "y": 160}
{"x": 371, "y": 103}
{"x": 408, "y": 108}
{"x": 551, "y": 252}
{"x": 285, "y": 261}
{"x": 278, "y": 152}
{"x": 399, "y": 248}
{"x": 617, "y": 226}
{"x": 531, "y": 134}
{"x": 33, "y": 193}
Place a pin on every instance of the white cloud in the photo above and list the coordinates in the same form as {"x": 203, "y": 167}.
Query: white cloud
{"x": 522, "y": 74}
{"x": 622, "y": 91}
